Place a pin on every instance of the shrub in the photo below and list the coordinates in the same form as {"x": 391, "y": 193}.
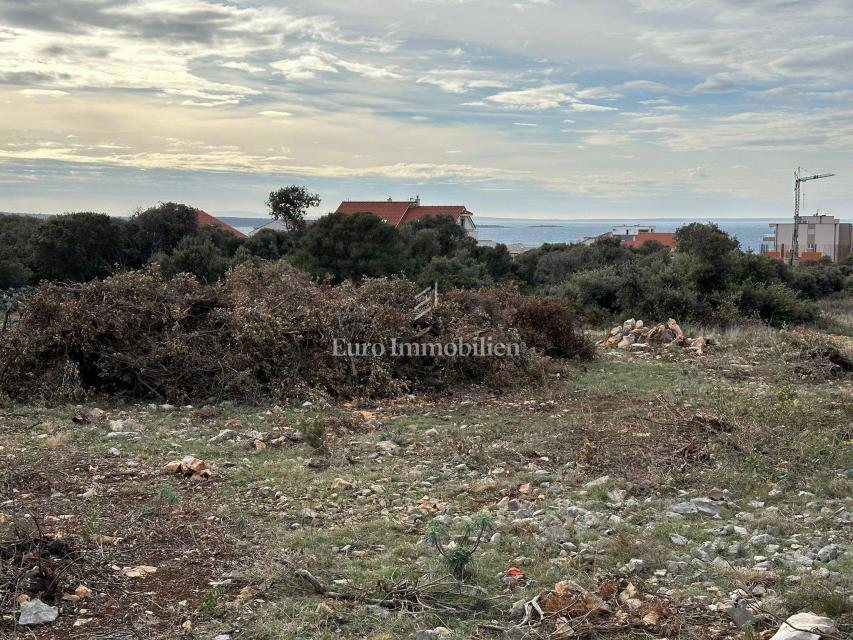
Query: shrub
{"x": 596, "y": 290}
{"x": 460, "y": 271}
{"x": 775, "y": 303}
{"x": 272, "y": 245}
{"x": 818, "y": 280}
{"x": 550, "y": 325}
{"x": 497, "y": 261}
{"x": 197, "y": 255}
{"x": 314, "y": 434}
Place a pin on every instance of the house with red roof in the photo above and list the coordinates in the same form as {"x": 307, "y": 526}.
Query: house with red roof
{"x": 396, "y": 212}
{"x": 203, "y": 218}
{"x": 667, "y": 239}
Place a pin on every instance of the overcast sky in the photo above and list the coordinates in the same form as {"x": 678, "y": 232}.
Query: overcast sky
{"x": 526, "y": 108}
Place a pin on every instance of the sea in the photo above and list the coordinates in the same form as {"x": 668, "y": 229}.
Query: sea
{"x": 527, "y": 231}
{"x": 748, "y": 231}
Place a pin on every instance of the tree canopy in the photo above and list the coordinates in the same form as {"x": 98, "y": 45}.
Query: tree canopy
{"x": 352, "y": 247}
{"x": 289, "y": 205}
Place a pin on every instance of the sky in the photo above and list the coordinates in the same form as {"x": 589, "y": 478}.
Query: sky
{"x": 514, "y": 108}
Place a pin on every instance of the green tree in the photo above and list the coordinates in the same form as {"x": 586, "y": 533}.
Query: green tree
{"x": 272, "y": 245}
{"x": 159, "y": 229}
{"x": 199, "y": 255}
{"x": 496, "y": 260}
{"x": 709, "y": 256}
{"x": 460, "y": 271}
{"x": 16, "y": 238}
{"x": 446, "y": 236}
{"x": 78, "y": 247}
{"x": 352, "y": 247}
{"x": 525, "y": 265}
{"x": 289, "y": 205}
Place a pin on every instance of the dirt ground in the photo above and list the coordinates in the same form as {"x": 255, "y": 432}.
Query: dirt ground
{"x": 578, "y": 477}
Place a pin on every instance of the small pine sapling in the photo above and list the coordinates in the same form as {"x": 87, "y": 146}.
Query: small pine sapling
{"x": 458, "y": 557}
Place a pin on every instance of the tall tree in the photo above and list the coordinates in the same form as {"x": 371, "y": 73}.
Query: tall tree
{"x": 289, "y": 205}
{"x": 708, "y": 255}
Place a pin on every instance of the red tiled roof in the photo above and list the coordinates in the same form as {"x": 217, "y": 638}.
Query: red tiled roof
{"x": 396, "y": 213}
{"x": 204, "y": 218}
{"x": 416, "y": 213}
{"x": 390, "y": 212}
{"x": 666, "y": 239}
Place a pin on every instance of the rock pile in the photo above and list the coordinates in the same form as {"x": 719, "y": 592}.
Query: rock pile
{"x": 635, "y": 334}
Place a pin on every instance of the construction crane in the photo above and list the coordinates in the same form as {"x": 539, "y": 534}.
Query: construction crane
{"x": 795, "y": 237}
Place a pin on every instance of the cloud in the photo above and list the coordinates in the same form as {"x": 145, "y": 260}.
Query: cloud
{"x": 303, "y": 68}
{"x": 275, "y": 114}
{"x": 820, "y": 130}
{"x": 165, "y": 46}
{"x": 228, "y": 159}
{"x": 307, "y": 66}
{"x": 597, "y": 93}
{"x": 644, "y": 86}
{"x": 52, "y": 93}
{"x": 717, "y": 83}
{"x": 242, "y": 66}
{"x": 605, "y": 139}
{"x": 583, "y": 106}
{"x": 461, "y": 80}
{"x": 538, "y": 99}
{"x": 367, "y": 70}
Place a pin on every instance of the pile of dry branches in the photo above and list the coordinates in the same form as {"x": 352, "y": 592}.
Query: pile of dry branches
{"x": 258, "y": 332}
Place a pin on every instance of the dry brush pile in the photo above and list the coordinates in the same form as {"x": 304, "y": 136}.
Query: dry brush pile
{"x": 265, "y": 332}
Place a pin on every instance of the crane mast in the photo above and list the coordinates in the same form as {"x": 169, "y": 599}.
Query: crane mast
{"x": 795, "y": 237}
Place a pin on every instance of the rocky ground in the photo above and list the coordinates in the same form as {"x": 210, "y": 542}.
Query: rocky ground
{"x": 654, "y": 492}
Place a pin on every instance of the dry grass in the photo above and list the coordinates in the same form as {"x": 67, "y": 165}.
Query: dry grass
{"x": 354, "y": 511}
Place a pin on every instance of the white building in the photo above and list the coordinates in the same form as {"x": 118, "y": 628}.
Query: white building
{"x": 623, "y": 232}
{"x": 272, "y": 225}
{"x": 819, "y": 236}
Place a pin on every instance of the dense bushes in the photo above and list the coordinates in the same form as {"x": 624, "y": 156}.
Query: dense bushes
{"x": 708, "y": 279}
{"x": 78, "y": 247}
{"x": 774, "y": 302}
{"x": 82, "y": 246}
{"x": 264, "y": 331}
